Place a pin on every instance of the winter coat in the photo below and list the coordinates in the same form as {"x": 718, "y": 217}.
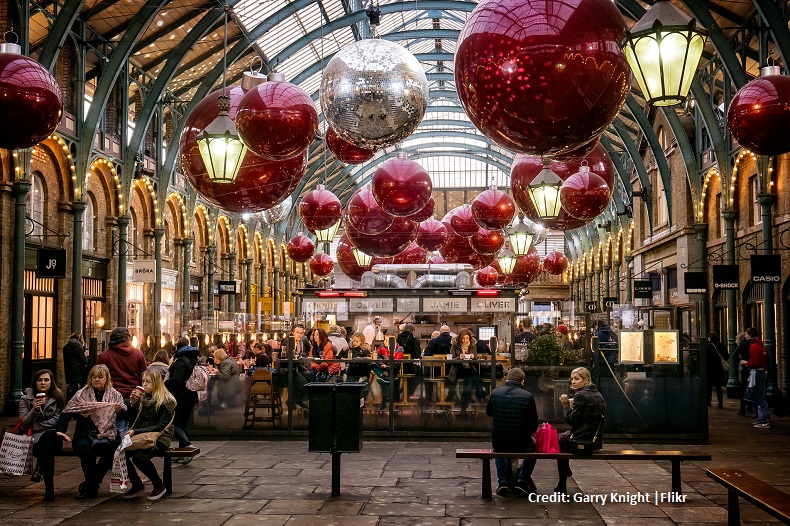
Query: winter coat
{"x": 180, "y": 371}
{"x": 338, "y": 342}
{"x": 146, "y": 418}
{"x": 75, "y": 363}
{"x": 327, "y": 353}
{"x": 410, "y": 344}
{"x": 359, "y": 369}
{"x": 40, "y": 422}
{"x": 514, "y": 417}
{"x": 439, "y": 346}
{"x": 585, "y": 416}
{"x": 758, "y": 356}
{"x": 715, "y": 354}
{"x": 126, "y": 365}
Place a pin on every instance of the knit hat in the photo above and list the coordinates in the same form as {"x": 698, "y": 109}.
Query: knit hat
{"x": 562, "y": 329}
{"x": 120, "y": 334}
{"x": 444, "y": 328}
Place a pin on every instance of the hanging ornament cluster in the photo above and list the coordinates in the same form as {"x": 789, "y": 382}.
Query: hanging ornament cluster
{"x": 320, "y": 209}
{"x": 493, "y": 209}
{"x": 584, "y": 194}
{"x": 467, "y": 242}
{"x": 321, "y": 264}
{"x": 526, "y": 269}
{"x": 487, "y": 276}
{"x": 364, "y": 214}
{"x": 346, "y": 152}
{"x": 555, "y": 263}
{"x": 346, "y": 260}
{"x": 374, "y": 93}
{"x": 401, "y": 187}
{"x": 540, "y": 83}
{"x": 432, "y": 234}
{"x": 300, "y": 248}
{"x": 759, "y": 114}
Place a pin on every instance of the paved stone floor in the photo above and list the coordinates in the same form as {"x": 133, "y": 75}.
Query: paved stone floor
{"x": 255, "y": 483}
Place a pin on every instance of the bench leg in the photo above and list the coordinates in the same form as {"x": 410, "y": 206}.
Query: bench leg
{"x": 733, "y": 511}
{"x": 167, "y": 475}
{"x": 676, "y": 476}
{"x": 487, "y": 478}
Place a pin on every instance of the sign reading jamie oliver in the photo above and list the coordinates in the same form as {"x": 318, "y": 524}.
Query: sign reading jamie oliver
{"x": 696, "y": 282}
{"x": 370, "y": 305}
{"x": 445, "y": 305}
{"x": 766, "y": 269}
{"x": 494, "y": 305}
{"x": 643, "y": 288}
{"x": 227, "y": 287}
{"x": 726, "y": 277}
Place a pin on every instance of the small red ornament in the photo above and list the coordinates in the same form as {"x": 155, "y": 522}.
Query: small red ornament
{"x": 321, "y": 264}
{"x": 459, "y": 250}
{"x": 300, "y": 248}
{"x": 277, "y": 120}
{"x": 320, "y": 209}
{"x": 759, "y": 114}
{"x": 390, "y": 242}
{"x": 412, "y": 255}
{"x": 432, "y": 234}
{"x": 487, "y": 242}
{"x": 462, "y": 221}
{"x": 30, "y": 100}
{"x": 401, "y": 187}
{"x": 493, "y": 209}
{"x": 425, "y": 213}
{"x": 364, "y": 214}
{"x": 584, "y": 195}
{"x": 526, "y": 269}
{"x": 487, "y": 276}
{"x": 555, "y": 263}
{"x": 346, "y": 152}
{"x": 346, "y": 260}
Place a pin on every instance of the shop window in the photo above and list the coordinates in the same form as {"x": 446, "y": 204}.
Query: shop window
{"x": 672, "y": 278}
{"x": 88, "y": 225}
{"x": 39, "y": 317}
{"x": 34, "y": 207}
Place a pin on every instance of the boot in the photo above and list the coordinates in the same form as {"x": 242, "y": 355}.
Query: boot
{"x": 35, "y": 476}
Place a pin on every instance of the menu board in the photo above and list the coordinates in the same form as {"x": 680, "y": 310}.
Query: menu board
{"x": 665, "y": 346}
{"x": 632, "y": 347}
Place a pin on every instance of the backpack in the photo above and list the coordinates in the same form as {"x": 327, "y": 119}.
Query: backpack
{"x": 198, "y": 380}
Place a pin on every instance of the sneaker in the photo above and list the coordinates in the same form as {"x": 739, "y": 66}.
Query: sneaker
{"x": 190, "y": 446}
{"x": 502, "y": 490}
{"x": 133, "y": 492}
{"x": 525, "y": 487}
{"x": 764, "y": 425}
{"x": 186, "y": 460}
{"x": 158, "y": 492}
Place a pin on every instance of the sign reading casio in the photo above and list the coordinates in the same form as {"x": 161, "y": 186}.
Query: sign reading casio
{"x": 766, "y": 269}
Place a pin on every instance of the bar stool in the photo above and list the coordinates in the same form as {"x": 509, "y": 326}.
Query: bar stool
{"x": 431, "y": 364}
{"x": 404, "y": 377}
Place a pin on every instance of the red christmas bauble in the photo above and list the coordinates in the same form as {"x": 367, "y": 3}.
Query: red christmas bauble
{"x": 320, "y": 209}
{"x": 260, "y": 185}
{"x": 30, "y": 102}
{"x": 487, "y": 241}
{"x": 526, "y": 269}
{"x": 555, "y": 263}
{"x": 501, "y": 278}
{"x": 493, "y": 209}
{"x": 759, "y": 115}
{"x": 376, "y": 260}
{"x": 346, "y": 152}
{"x": 459, "y": 250}
{"x": 390, "y": 242}
{"x": 401, "y": 187}
{"x": 432, "y": 234}
{"x": 277, "y": 120}
{"x": 364, "y": 214}
{"x": 300, "y": 248}
{"x": 414, "y": 254}
{"x": 321, "y": 264}
{"x": 487, "y": 276}
{"x": 426, "y": 212}
{"x": 346, "y": 260}
{"x": 597, "y": 159}
{"x": 584, "y": 195}
{"x": 540, "y": 77}
{"x": 463, "y": 222}
{"x": 436, "y": 260}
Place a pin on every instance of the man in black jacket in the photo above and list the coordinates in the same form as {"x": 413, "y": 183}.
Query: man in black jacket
{"x": 514, "y": 419}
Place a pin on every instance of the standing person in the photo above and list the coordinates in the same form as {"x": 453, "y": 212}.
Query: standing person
{"x": 758, "y": 377}
{"x": 514, "y": 419}
{"x": 372, "y": 330}
{"x": 525, "y": 334}
{"x": 715, "y": 354}
{"x": 180, "y": 371}
{"x": 742, "y": 353}
{"x": 228, "y": 384}
{"x": 300, "y": 372}
{"x": 153, "y": 412}
{"x": 126, "y": 364}
{"x": 40, "y": 409}
{"x": 75, "y": 363}
{"x": 584, "y": 414}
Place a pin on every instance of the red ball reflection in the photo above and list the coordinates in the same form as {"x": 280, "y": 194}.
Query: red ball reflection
{"x": 487, "y": 241}
{"x": 487, "y": 276}
{"x": 346, "y": 152}
{"x": 526, "y": 269}
{"x": 260, "y": 185}
{"x": 30, "y": 102}
{"x": 346, "y": 260}
{"x": 277, "y": 120}
{"x": 759, "y": 113}
{"x": 320, "y": 209}
{"x": 300, "y": 248}
{"x": 401, "y": 187}
{"x": 425, "y": 213}
{"x": 321, "y": 264}
{"x": 542, "y": 77}
{"x": 584, "y": 195}
{"x": 390, "y": 242}
{"x": 364, "y": 214}
{"x": 463, "y": 222}
{"x": 493, "y": 209}
{"x": 432, "y": 234}
{"x": 412, "y": 255}
{"x": 459, "y": 250}
{"x": 555, "y": 263}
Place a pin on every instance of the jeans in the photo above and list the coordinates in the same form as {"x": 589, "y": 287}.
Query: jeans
{"x": 141, "y": 458}
{"x": 95, "y": 461}
{"x": 758, "y": 395}
{"x": 181, "y": 420}
{"x": 45, "y": 449}
{"x": 504, "y": 467}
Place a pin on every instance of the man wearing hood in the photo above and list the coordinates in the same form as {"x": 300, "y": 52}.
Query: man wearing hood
{"x": 180, "y": 370}
{"x": 758, "y": 377}
{"x": 126, "y": 364}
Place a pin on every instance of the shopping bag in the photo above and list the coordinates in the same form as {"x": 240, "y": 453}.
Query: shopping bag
{"x": 16, "y": 452}
{"x": 546, "y": 439}
{"x": 119, "y": 481}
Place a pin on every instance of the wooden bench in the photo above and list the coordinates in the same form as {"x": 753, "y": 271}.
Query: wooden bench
{"x": 675, "y": 457}
{"x": 754, "y": 490}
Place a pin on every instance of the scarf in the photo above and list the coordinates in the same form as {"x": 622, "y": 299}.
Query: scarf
{"x": 101, "y": 413}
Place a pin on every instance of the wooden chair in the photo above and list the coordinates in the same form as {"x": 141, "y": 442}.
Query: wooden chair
{"x": 404, "y": 384}
{"x": 263, "y": 395}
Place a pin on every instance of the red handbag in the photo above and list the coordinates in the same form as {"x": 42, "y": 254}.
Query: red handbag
{"x": 546, "y": 439}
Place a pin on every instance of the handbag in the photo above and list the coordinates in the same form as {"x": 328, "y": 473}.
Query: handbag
{"x": 148, "y": 439}
{"x": 546, "y": 439}
{"x": 587, "y": 447}
{"x": 93, "y": 436}
{"x": 16, "y": 451}
{"x": 725, "y": 364}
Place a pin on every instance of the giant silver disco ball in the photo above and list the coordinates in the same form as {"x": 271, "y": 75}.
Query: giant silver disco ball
{"x": 374, "y": 93}
{"x": 278, "y": 212}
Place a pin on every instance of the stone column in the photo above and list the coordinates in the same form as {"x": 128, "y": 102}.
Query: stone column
{"x": 598, "y": 285}
{"x": 769, "y": 338}
{"x": 21, "y": 189}
{"x": 123, "y": 251}
{"x": 276, "y": 290}
{"x": 607, "y": 289}
{"x": 77, "y": 209}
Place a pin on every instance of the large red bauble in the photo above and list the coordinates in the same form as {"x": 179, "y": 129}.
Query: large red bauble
{"x": 463, "y": 222}
{"x": 344, "y": 151}
{"x": 542, "y": 77}
{"x": 260, "y": 185}
{"x": 390, "y": 242}
{"x": 493, "y": 209}
{"x": 432, "y": 234}
{"x": 487, "y": 241}
{"x": 459, "y": 250}
{"x": 584, "y": 195}
{"x": 346, "y": 260}
{"x": 401, "y": 187}
{"x": 277, "y": 120}
{"x": 364, "y": 214}
{"x": 321, "y": 264}
{"x": 30, "y": 102}
{"x": 426, "y": 212}
{"x": 526, "y": 269}
{"x": 412, "y": 255}
{"x": 300, "y": 248}
{"x": 759, "y": 115}
{"x": 597, "y": 159}
{"x": 555, "y": 263}
{"x": 487, "y": 276}
{"x": 320, "y": 209}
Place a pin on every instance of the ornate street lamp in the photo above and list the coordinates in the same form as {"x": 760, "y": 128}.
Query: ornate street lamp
{"x": 506, "y": 260}
{"x": 544, "y": 191}
{"x": 521, "y": 237}
{"x": 664, "y": 49}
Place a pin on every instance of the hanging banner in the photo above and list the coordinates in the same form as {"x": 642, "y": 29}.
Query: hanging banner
{"x": 591, "y": 307}
{"x": 51, "y": 263}
{"x": 144, "y": 270}
{"x": 610, "y": 303}
{"x": 695, "y": 282}
{"x": 766, "y": 269}
{"x": 726, "y": 277}
{"x": 643, "y": 288}
{"x": 226, "y": 287}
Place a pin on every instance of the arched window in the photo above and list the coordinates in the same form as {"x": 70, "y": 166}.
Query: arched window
{"x": 89, "y": 225}
{"x": 34, "y": 207}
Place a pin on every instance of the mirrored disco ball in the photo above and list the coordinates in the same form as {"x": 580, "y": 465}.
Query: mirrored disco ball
{"x": 278, "y": 212}
{"x": 374, "y": 93}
